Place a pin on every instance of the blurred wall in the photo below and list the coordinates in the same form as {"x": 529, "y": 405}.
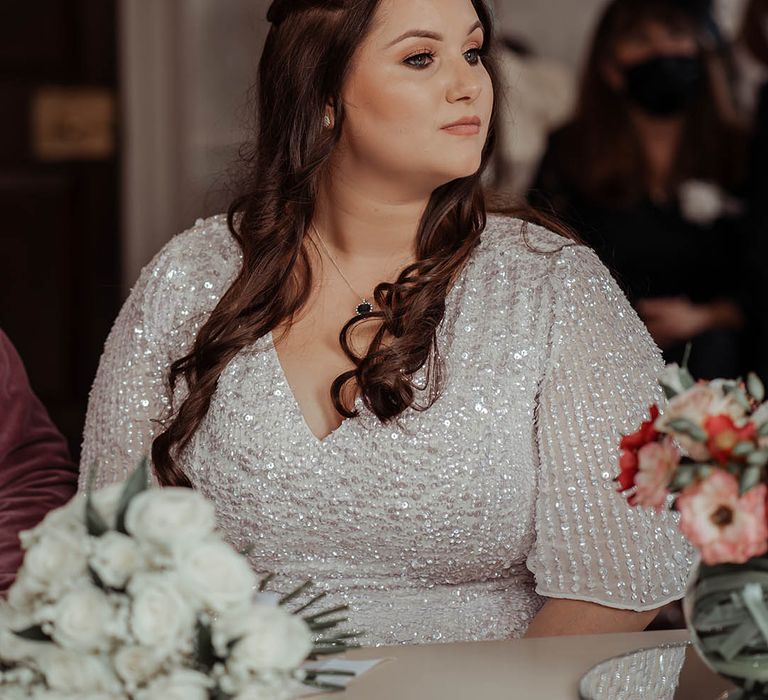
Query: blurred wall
{"x": 185, "y": 68}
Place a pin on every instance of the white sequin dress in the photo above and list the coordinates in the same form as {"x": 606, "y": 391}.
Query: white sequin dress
{"x": 457, "y": 522}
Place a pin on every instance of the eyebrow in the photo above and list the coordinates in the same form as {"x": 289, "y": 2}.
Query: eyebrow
{"x": 426, "y": 34}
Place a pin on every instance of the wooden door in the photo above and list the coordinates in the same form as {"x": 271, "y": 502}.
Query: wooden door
{"x": 59, "y": 209}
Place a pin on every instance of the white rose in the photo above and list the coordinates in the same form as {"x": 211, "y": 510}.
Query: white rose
{"x": 671, "y": 378}
{"x": 24, "y": 593}
{"x": 68, "y": 518}
{"x": 46, "y": 694}
{"x": 270, "y": 639}
{"x": 160, "y": 617}
{"x": 82, "y": 620}
{"x": 71, "y": 672}
{"x": 216, "y": 576}
{"x": 17, "y": 692}
{"x": 116, "y": 558}
{"x": 53, "y": 562}
{"x": 170, "y": 517}
{"x": 135, "y": 665}
{"x": 182, "y": 684}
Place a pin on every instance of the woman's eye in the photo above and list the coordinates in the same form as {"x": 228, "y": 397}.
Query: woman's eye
{"x": 420, "y": 60}
{"x": 473, "y": 56}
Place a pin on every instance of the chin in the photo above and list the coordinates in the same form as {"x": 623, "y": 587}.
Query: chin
{"x": 465, "y": 167}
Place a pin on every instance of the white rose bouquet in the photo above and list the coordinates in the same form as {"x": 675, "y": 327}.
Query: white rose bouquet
{"x": 129, "y": 593}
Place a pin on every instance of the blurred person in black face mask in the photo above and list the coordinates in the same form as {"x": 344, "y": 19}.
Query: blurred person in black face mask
{"x": 751, "y": 53}
{"x": 650, "y": 171}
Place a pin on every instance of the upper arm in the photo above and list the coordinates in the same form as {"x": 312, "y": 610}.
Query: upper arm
{"x": 601, "y": 377}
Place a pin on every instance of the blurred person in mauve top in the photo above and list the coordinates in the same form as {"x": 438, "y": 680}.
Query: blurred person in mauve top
{"x": 650, "y": 172}
{"x": 36, "y": 473}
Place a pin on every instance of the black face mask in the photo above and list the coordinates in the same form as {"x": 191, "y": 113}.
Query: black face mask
{"x": 665, "y": 85}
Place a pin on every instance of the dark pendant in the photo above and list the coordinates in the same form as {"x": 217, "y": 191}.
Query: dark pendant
{"x": 364, "y": 308}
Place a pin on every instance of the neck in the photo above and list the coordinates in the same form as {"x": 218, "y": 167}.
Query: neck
{"x": 660, "y": 139}
{"x": 368, "y": 225}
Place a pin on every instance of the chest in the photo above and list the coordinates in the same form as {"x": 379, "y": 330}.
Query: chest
{"x": 453, "y": 485}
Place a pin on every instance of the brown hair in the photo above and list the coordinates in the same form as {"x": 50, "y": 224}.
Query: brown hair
{"x": 306, "y": 58}
{"x": 752, "y": 33}
{"x": 601, "y": 134}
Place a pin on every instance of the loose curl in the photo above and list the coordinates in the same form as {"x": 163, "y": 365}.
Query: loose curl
{"x": 304, "y": 64}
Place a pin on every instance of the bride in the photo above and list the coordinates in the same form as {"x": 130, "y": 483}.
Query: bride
{"x": 381, "y": 388}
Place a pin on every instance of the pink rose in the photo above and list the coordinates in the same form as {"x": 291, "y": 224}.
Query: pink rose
{"x": 725, "y": 528}
{"x": 657, "y": 462}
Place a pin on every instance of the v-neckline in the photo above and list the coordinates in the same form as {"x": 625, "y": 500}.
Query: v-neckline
{"x": 296, "y": 407}
{"x": 359, "y": 405}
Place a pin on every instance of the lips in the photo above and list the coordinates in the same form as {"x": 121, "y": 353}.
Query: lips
{"x": 464, "y": 126}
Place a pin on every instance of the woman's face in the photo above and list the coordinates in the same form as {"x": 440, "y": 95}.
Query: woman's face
{"x": 418, "y": 71}
{"x": 646, "y": 40}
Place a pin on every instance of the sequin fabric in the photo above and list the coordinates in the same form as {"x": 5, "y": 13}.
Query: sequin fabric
{"x": 455, "y": 523}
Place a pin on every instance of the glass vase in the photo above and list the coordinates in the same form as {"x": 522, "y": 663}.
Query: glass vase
{"x": 726, "y": 611}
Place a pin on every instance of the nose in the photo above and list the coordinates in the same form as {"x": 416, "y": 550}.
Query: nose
{"x": 465, "y": 84}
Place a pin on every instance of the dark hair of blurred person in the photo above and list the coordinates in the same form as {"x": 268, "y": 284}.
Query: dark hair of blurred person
{"x": 648, "y": 170}
{"x": 751, "y": 56}
{"x": 36, "y": 473}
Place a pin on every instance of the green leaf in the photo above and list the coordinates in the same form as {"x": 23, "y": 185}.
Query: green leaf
{"x": 743, "y": 448}
{"x": 137, "y": 482}
{"x": 205, "y": 654}
{"x": 33, "y": 634}
{"x": 265, "y": 582}
{"x": 94, "y": 523}
{"x": 687, "y": 427}
{"x": 97, "y": 579}
{"x": 758, "y": 458}
{"x": 669, "y": 392}
{"x": 687, "y": 355}
{"x": 295, "y": 593}
{"x": 686, "y": 378}
{"x": 325, "y": 613}
{"x": 327, "y": 624}
{"x": 311, "y": 602}
{"x": 741, "y": 397}
{"x": 750, "y": 478}
{"x": 684, "y": 475}
{"x": 762, "y": 431}
{"x": 755, "y": 387}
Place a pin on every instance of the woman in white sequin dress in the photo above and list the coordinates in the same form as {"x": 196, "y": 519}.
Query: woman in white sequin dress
{"x": 416, "y": 407}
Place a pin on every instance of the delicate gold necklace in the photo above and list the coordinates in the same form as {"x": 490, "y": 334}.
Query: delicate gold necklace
{"x": 365, "y": 306}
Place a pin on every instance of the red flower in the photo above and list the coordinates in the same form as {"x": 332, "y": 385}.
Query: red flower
{"x": 630, "y": 445}
{"x": 724, "y": 436}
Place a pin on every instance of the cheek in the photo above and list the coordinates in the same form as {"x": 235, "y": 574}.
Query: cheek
{"x": 385, "y": 100}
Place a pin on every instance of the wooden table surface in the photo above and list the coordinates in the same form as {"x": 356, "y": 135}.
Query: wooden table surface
{"x": 528, "y": 669}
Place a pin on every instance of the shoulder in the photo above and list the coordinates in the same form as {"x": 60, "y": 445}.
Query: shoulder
{"x": 206, "y": 250}
{"x": 189, "y": 275}
{"x": 532, "y": 257}
{"x": 521, "y": 246}
{"x": 511, "y": 238}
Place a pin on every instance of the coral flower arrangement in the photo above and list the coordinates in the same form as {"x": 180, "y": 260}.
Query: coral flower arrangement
{"x": 705, "y": 455}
